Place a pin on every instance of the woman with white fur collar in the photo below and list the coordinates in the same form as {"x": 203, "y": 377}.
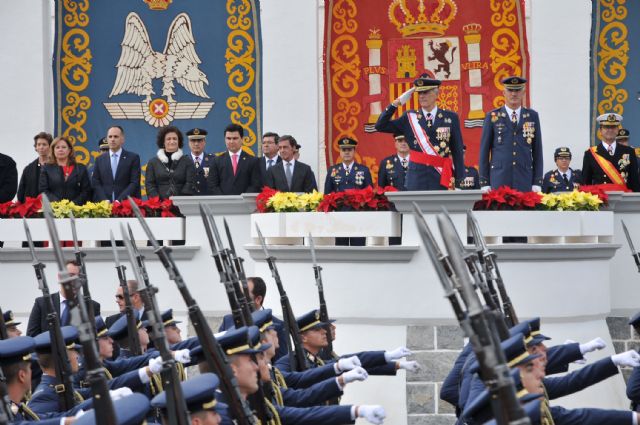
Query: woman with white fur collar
{"x": 170, "y": 172}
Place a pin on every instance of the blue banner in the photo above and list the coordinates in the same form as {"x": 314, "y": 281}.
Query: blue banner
{"x": 145, "y": 64}
{"x": 615, "y": 61}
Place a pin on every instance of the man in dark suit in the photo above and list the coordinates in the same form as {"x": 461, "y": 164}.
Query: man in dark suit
{"x": 235, "y": 171}
{"x": 8, "y": 178}
{"x": 270, "y": 155}
{"x": 433, "y": 135}
{"x": 290, "y": 175}
{"x": 38, "y": 317}
{"x": 202, "y": 161}
{"x": 610, "y": 162}
{"x": 28, "y": 186}
{"x": 116, "y": 173}
{"x": 393, "y": 169}
{"x": 136, "y": 303}
{"x": 258, "y": 291}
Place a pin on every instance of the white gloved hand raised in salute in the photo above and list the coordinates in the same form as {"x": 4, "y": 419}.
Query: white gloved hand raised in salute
{"x": 593, "y": 345}
{"x": 346, "y": 363}
{"x": 629, "y": 358}
{"x": 409, "y": 365}
{"x": 372, "y": 414}
{"x": 404, "y": 97}
{"x": 357, "y": 374}
{"x": 397, "y": 354}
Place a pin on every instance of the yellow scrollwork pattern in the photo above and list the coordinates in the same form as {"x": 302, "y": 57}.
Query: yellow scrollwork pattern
{"x": 448, "y": 98}
{"x": 346, "y": 70}
{"x": 503, "y": 15}
{"x": 240, "y": 68}
{"x": 76, "y": 68}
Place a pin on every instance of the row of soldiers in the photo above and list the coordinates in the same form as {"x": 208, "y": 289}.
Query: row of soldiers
{"x": 75, "y": 367}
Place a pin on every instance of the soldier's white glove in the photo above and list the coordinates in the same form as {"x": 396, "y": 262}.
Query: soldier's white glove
{"x": 118, "y": 393}
{"x": 593, "y": 345}
{"x": 404, "y": 97}
{"x": 182, "y": 356}
{"x": 372, "y": 414}
{"x": 409, "y": 365}
{"x": 347, "y": 363}
{"x": 629, "y": 358}
{"x": 155, "y": 365}
{"x": 536, "y": 188}
{"x": 485, "y": 189}
{"x": 357, "y": 374}
{"x": 579, "y": 361}
{"x": 468, "y": 182}
{"x": 397, "y": 354}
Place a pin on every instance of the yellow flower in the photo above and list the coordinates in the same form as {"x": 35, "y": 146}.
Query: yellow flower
{"x": 291, "y": 202}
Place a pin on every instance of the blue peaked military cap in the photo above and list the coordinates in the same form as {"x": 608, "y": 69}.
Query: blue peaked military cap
{"x": 521, "y": 328}
{"x": 263, "y": 319}
{"x": 199, "y": 394}
{"x": 118, "y": 329}
{"x": 101, "y": 327}
{"x": 347, "y": 142}
{"x": 242, "y": 341}
{"x": 425, "y": 83}
{"x": 103, "y": 143}
{"x": 69, "y": 335}
{"x": 130, "y": 410}
{"x": 532, "y": 409}
{"x": 310, "y": 320}
{"x": 479, "y": 409}
{"x": 623, "y": 134}
{"x": 537, "y": 337}
{"x": 562, "y": 152}
{"x": 18, "y": 349}
{"x": 514, "y": 83}
{"x": 9, "y": 319}
{"x": 196, "y": 133}
{"x": 167, "y": 318}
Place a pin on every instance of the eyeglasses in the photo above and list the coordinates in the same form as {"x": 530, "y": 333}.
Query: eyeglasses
{"x": 120, "y": 297}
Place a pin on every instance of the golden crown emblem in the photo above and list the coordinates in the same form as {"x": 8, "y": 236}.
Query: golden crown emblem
{"x": 158, "y": 4}
{"x": 428, "y": 17}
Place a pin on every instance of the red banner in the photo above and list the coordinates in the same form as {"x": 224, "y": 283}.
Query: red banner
{"x": 374, "y": 49}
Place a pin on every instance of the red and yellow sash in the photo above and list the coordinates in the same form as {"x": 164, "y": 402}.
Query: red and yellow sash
{"x": 429, "y": 156}
{"x": 608, "y": 168}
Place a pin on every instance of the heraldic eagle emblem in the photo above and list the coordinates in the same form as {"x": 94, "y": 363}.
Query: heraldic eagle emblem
{"x": 139, "y": 65}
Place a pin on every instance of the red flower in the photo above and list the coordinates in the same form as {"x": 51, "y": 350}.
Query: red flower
{"x": 598, "y": 190}
{"x": 507, "y": 198}
{"x": 263, "y": 197}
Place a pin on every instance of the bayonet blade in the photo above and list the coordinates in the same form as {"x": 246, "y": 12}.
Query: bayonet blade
{"x": 114, "y": 249}
{"x": 131, "y": 254}
{"x": 53, "y": 232}
{"x": 27, "y": 232}
{"x": 74, "y": 234}
{"x": 262, "y": 242}
{"x": 232, "y": 248}
{"x": 143, "y": 223}
{"x": 629, "y": 240}
{"x": 207, "y": 228}
{"x": 214, "y": 227}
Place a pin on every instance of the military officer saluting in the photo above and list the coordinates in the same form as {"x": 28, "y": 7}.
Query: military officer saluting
{"x": 511, "y": 143}
{"x": 347, "y": 174}
{"x": 610, "y": 162}
{"x": 201, "y": 160}
{"x": 433, "y": 134}
{"x": 564, "y": 178}
{"x": 393, "y": 169}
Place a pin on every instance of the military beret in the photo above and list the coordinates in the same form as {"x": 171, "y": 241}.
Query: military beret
{"x": 347, "y": 142}
{"x": 623, "y": 133}
{"x": 167, "y": 318}
{"x": 199, "y": 394}
{"x": 609, "y": 120}
{"x": 129, "y": 410}
{"x": 245, "y": 340}
{"x": 69, "y": 336}
{"x": 514, "y": 83}
{"x": 196, "y": 134}
{"x": 102, "y": 143}
{"x": 18, "y": 349}
{"x": 118, "y": 329}
{"x": 425, "y": 83}
{"x": 562, "y": 152}
{"x": 8, "y": 319}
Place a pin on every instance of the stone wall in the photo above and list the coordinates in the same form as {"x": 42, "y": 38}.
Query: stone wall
{"x": 624, "y": 338}
{"x": 436, "y": 348}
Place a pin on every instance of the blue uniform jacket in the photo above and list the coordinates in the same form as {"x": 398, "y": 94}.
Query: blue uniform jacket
{"x": 391, "y": 173}
{"x": 580, "y": 379}
{"x": 337, "y": 179}
{"x": 227, "y": 323}
{"x": 120, "y": 366}
{"x": 307, "y": 378}
{"x": 445, "y": 142}
{"x": 511, "y": 155}
{"x": 633, "y": 388}
{"x": 200, "y": 174}
{"x": 312, "y": 396}
{"x": 450, "y": 390}
{"x": 45, "y": 400}
{"x": 553, "y": 181}
{"x": 589, "y": 416}
{"x": 373, "y": 361}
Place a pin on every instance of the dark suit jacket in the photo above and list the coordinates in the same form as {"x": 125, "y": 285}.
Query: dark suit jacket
{"x": 593, "y": 174}
{"x": 221, "y": 180}
{"x": 38, "y": 317}
{"x": 263, "y": 167}
{"x": 76, "y": 188}
{"x": 8, "y": 178}
{"x": 302, "y": 179}
{"x": 127, "y": 181}
{"x": 29, "y": 181}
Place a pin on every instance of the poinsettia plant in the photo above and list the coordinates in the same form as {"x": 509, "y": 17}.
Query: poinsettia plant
{"x": 588, "y": 198}
{"x": 152, "y": 207}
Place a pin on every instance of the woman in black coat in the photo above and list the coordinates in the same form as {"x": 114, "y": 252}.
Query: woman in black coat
{"x": 29, "y": 186}
{"x": 63, "y": 178}
{"x": 170, "y": 172}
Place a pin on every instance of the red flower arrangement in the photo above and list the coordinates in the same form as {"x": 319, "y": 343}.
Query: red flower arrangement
{"x": 152, "y": 207}
{"x": 367, "y": 199}
{"x": 30, "y": 208}
{"x": 506, "y": 198}
{"x": 263, "y": 197}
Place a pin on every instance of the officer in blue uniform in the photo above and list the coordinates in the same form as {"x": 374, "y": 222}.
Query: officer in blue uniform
{"x": 563, "y": 178}
{"x": 11, "y": 324}
{"x": 119, "y": 333}
{"x": 633, "y": 383}
{"x": 347, "y": 174}
{"x": 433, "y": 134}
{"x": 511, "y": 143}
{"x": 623, "y": 136}
{"x": 202, "y": 161}
{"x": 471, "y": 177}
{"x": 393, "y": 169}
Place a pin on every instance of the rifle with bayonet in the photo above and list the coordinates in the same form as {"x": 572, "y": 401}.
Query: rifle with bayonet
{"x": 297, "y": 357}
{"x": 132, "y": 323}
{"x": 176, "y": 405}
{"x": 634, "y": 253}
{"x": 324, "y": 313}
{"x": 95, "y": 375}
{"x": 82, "y": 277}
{"x": 62, "y": 366}
{"x": 238, "y": 262}
{"x": 491, "y": 271}
{"x": 484, "y": 339}
{"x": 3, "y": 326}
{"x": 213, "y": 353}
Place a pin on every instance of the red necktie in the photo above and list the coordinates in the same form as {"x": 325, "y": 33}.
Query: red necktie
{"x": 234, "y": 162}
